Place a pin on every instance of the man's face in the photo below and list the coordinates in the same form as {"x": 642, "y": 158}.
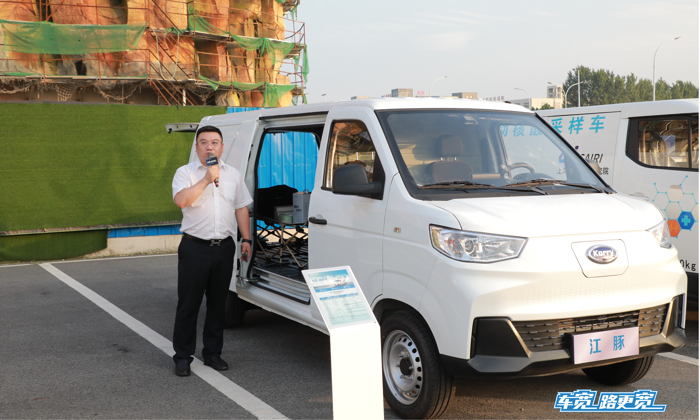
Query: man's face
{"x": 209, "y": 143}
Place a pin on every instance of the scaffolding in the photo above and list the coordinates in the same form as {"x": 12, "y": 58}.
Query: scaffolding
{"x": 232, "y": 52}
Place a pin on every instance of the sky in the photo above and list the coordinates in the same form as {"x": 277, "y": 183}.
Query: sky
{"x": 368, "y": 47}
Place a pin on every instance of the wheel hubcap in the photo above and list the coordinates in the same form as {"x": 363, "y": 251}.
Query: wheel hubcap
{"x": 403, "y": 368}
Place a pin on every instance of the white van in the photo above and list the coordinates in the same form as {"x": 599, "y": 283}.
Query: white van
{"x": 646, "y": 149}
{"x": 484, "y": 243}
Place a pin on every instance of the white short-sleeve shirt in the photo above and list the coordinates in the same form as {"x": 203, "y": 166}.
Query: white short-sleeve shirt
{"x": 212, "y": 215}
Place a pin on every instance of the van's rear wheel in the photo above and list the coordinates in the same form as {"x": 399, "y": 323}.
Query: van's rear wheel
{"x": 621, "y": 373}
{"x": 416, "y": 385}
{"x": 235, "y": 310}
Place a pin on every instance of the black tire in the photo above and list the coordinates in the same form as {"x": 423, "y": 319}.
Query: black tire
{"x": 235, "y": 310}
{"x": 426, "y": 389}
{"x": 621, "y": 373}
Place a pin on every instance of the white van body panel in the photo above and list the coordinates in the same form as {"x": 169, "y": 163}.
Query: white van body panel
{"x": 546, "y": 282}
{"x": 408, "y": 254}
{"x": 553, "y": 215}
{"x": 671, "y": 191}
{"x": 531, "y": 286}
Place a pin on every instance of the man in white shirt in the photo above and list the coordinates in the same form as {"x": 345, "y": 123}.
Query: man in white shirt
{"x": 206, "y": 252}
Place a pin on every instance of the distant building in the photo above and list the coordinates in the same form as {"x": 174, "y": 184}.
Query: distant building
{"x": 402, "y": 93}
{"x": 352, "y": 98}
{"x": 466, "y": 95}
{"x": 555, "y": 91}
{"x": 408, "y": 93}
{"x": 554, "y": 99}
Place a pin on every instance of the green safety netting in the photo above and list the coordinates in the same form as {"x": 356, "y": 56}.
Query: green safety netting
{"x": 17, "y": 74}
{"x": 295, "y": 100}
{"x": 272, "y": 92}
{"x": 277, "y": 50}
{"x": 53, "y": 38}
{"x": 198, "y": 23}
{"x": 305, "y": 67}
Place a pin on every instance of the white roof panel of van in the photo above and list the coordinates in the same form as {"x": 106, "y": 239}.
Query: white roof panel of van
{"x": 632, "y": 109}
{"x": 376, "y": 104}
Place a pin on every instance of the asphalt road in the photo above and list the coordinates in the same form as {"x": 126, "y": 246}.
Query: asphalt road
{"x": 65, "y": 356}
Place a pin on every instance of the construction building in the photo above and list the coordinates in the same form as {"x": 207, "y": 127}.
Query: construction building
{"x": 249, "y": 53}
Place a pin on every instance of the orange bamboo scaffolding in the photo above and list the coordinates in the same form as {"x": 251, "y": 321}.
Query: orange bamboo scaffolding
{"x": 172, "y": 57}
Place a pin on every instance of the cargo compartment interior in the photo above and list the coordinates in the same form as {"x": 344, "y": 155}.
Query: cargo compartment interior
{"x": 284, "y": 177}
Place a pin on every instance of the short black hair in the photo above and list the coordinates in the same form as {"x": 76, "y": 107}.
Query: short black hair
{"x": 208, "y": 129}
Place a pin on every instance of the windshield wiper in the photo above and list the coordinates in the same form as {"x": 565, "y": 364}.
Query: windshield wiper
{"x": 468, "y": 185}
{"x": 541, "y": 181}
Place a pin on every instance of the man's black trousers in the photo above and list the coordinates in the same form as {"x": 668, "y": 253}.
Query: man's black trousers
{"x": 201, "y": 270}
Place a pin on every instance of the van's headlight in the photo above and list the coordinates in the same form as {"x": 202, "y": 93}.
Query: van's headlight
{"x": 475, "y": 247}
{"x": 661, "y": 234}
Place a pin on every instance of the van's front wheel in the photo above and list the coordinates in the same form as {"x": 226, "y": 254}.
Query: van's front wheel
{"x": 416, "y": 385}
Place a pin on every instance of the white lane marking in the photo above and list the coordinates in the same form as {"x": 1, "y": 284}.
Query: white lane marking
{"x": 13, "y": 265}
{"x": 93, "y": 259}
{"x": 221, "y": 383}
{"x": 680, "y": 358}
{"x": 112, "y": 258}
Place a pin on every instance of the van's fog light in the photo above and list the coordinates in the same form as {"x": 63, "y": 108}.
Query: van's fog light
{"x": 661, "y": 234}
{"x": 475, "y": 247}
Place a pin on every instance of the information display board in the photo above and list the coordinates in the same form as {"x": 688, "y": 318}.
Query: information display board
{"x": 355, "y": 336}
{"x": 338, "y": 297}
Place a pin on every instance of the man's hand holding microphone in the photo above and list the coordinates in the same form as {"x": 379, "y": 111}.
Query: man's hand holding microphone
{"x": 212, "y": 170}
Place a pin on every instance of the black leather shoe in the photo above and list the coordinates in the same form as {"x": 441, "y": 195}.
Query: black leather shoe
{"x": 216, "y": 363}
{"x": 182, "y": 368}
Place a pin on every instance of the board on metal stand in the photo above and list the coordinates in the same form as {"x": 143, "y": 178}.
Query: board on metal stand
{"x": 356, "y": 364}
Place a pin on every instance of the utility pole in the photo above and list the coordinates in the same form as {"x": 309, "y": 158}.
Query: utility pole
{"x": 578, "y": 76}
{"x": 653, "y": 78}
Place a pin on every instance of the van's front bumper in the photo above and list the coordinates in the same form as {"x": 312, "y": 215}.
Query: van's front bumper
{"x": 504, "y": 348}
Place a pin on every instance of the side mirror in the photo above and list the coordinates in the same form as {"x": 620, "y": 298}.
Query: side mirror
{"x": 352, "y": 180}
{"x": 595, "y": 166}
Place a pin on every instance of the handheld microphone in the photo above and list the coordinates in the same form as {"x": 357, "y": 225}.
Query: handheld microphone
{"x": 211, "y": 161}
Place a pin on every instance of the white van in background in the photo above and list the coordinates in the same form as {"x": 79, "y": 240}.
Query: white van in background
{"x": 645, "y": 149}
{"x": 484, "y": 243}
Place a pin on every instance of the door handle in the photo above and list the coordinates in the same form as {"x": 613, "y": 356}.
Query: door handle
{"x": 318, "y": 221}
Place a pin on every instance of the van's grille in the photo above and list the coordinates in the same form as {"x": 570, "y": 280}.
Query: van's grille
{"x": 550, "y": 334}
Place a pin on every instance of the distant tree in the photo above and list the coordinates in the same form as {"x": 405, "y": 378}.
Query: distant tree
{"x": 681, "y": 90}
{"x": 600, "y": 87}
{"x": 645, "y": 91}
{"x": 545, "y": 106}
{"x": 663, "y": 90}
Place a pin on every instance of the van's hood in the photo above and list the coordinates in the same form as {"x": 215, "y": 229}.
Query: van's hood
{"x": 553, "y": 215}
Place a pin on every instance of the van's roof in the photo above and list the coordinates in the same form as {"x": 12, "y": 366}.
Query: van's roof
{"x": 374, "y": 104}
{"x": 632, "y": 109}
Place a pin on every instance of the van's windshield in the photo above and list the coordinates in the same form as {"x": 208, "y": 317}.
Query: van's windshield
{"x": 483, "y": 152}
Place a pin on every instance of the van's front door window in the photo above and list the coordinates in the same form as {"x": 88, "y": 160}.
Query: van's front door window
{"x": 350, "y": 144}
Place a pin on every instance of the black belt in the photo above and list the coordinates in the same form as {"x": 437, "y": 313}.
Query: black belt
{"x": 209, "y": 242}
